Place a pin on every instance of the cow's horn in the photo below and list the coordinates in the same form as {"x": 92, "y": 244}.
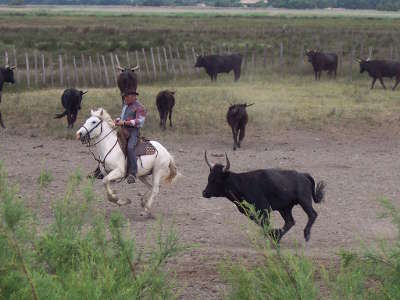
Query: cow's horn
{"x": 13, "y": 67}
{"x": 134, "y": 68}
{"x": 247, "y": 105}
{"x": 83, "y": 93}
{"x": 120, "y": 68}
{"x": 358, "y": 60}
{"x": 206, "y": 159}
{"x": 228, "y": 164}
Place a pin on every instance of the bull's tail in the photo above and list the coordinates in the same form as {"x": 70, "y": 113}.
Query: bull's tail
{"x": 58, "y": 116}
{"x": 173, "y": 171}
{"x": 318, "y": 191}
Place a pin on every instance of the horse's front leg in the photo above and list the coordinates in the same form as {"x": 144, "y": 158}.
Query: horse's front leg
{"x": 112, "y": 176}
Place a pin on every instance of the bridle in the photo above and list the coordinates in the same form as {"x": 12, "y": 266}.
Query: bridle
{"x": 86, "y": 141}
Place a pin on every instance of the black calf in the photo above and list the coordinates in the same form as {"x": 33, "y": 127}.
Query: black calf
{"x": 237, "y": 119}
{"x": 71, "y": 100}
{"x": 165, "y": 101}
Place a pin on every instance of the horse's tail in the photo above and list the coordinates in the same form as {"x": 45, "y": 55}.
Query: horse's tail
{"x": 173, "y": 171}
{"x": 57, "y": 116}
{"x": 318, "y": 192}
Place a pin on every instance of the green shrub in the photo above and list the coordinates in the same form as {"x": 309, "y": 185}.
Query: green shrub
{"x": 79, "y": 255}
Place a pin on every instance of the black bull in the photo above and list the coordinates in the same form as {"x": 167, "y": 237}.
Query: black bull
{"x": 377, "y": 69}
{"x": 215, "y": 64}
{"x": 6, "y": 75}
{"x": 322, "y": 62}
{"x": 268, "y": 189}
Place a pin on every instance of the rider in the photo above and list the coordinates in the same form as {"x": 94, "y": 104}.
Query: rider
{"x": 132, "y": 118}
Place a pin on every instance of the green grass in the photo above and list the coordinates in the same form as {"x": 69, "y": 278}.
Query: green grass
{"x": 280, "y": 103}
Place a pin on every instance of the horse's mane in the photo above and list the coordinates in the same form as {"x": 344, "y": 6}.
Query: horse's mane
{"x": 102, "y": 114}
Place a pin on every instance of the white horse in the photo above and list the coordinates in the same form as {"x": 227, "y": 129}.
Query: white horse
{"x": 99, "y": 134}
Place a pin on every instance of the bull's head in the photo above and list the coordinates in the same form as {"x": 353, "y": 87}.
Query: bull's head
{"x": 310, "y": 54}
{"x": 216, "y": 179}
{"x": 200, "y": 62}
{"x": 127, "y": 69}
{"x": 8, "y": 73}
{"x": 363, "y": 64}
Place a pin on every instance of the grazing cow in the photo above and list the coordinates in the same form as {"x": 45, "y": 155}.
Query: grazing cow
{"x": 71, "y": 100}
{"x": 237, "y": 118}
{"x": 215, "y": 64}
{"x": 127, "y": 80}
{"x": 377, "y": 69}
{"x": 267, "y": 190}
{"x": 6, "y": 75}
{"x": 322, "y": 62}
{"x": 165, "y": 101}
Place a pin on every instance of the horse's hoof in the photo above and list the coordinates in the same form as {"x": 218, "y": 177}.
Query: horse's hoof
{"x": 124, "y": 202}
{"x": 146, "y": 214}
{"x": 113, "y": 198}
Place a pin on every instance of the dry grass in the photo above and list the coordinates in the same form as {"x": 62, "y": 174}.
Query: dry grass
{"x": 290, "y": 102}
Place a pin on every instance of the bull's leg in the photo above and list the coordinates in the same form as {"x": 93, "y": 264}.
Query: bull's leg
{"x": 69, "y": 119}
{"x": 312, "y": 215}
{"x": 170, "y": 117}
{"x": 234, "y": 134}
{"x": 241, "y": 135}
{"x": 237, "y": 74}
{"x": 381, "y": 81}
{"x": 1, "y": 121}
{"x": 112, "y": 176}
{"x": 316, "y": 75}
{"x": 397, "y": 82}
{"x": 289, "y": 221}
{"x": 373, "y": 83}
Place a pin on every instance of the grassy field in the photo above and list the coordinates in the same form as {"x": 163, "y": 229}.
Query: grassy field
{"x": 280, "y": 103}
{"x": 76, "y": 30}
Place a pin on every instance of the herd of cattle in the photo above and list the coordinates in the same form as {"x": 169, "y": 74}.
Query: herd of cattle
{"x": 268, "y": 189}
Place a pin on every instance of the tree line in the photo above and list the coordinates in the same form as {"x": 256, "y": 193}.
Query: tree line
{"x": 295, "y": 4}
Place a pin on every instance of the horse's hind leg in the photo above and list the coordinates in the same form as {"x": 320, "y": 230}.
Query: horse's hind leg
{"x": 157, "y": 176}
{"x": 144, "y": 179}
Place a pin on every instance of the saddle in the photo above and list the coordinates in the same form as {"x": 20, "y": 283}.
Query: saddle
{"x": 143, "y": 146}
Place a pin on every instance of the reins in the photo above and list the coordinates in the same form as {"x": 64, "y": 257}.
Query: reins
{"x": 89, "y": 145}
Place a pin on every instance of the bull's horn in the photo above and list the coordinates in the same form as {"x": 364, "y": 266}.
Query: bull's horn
{"x": 120, "y": 68}
{"x": 368, "y": 59}
{"x": 135, "y": 68}
{"x": 83, "y": 93}
{"x": 13, "y": 67}
{"x": 206, "y": 159}
{"x": 228, "y": 164}
{"x": 358, "y": 60}
{"x": 247, "y": 105}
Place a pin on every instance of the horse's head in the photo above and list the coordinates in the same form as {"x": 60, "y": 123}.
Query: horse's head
{"x": 92, "y": 128}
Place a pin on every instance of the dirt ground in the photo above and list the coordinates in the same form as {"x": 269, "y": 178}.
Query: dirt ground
{"x": 358, "y": 170}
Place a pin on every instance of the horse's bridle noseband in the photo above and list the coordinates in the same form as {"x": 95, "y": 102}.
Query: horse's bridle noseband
{"x": 86, "y": 138}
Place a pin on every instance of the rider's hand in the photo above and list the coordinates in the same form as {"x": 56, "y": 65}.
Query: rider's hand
{"x": 118, "y": 122}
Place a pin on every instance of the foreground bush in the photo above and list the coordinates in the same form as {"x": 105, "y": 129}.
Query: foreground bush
{"x": 372, "y": 274}
{"x": 79, "y": 255}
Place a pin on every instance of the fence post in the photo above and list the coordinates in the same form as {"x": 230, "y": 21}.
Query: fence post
{"x": 15, "y": 64}
{"x": 179, "y": 62}
{"x": 43, "y": 71}
{"x": 265, "y": 57}
{"x": 172, "y": 60}
{"x": 105, "y": 71}
{"x": 61, "y": 69}
{"x": 351, "y": 64}
{"x": 145, "y": 62}
{"x": 113, "y": 68}
{"x": 187, "y": 60}
{"x": 138, "y": 63}
{"x": 166, "y": 60}
{"x": 28, "y": 80}
{"x": 83, "y": 65}
{"x": 159, "y": 59}
{"x": 36, "y": 68}
{"x": 67, "y": 70}
{"x": 99, "y": 72}
{"x": 76, "y": 79}
{"x": 154, "y": 63}
{"x": 281, "y": 56}
{"x": 5, "y": 58}
{"x": 51, "y": 70}
{"x": 91, "y": 71}
{"x": 128, "y": 61}
{"x": 370, "y": 51}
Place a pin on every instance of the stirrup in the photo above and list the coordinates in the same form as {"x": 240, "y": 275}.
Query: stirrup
{"x": 131, "y": 178}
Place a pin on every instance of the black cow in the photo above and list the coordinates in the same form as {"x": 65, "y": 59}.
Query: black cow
{"x": 165, "y": 101}
{"x": 71, "y": 100}
{"x": 237, "y": 119}
{"x": 127, "y": 80}
{"x": 322, "y": 62}
{"x": 267, "y": 190}
{"x": 377, "y": 69}
{"x": 215, "y": 64}
{"x": 6, "y": 75}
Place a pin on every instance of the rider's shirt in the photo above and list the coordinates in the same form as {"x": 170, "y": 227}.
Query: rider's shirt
{"x": 135, "y": 112}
